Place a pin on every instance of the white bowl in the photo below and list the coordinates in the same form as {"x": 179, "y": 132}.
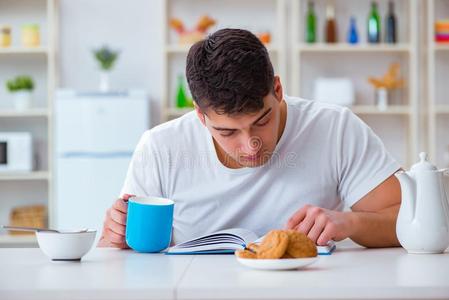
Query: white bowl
{"x": 66, "y": 245}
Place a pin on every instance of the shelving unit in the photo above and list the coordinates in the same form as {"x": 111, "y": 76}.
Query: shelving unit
{"x": 398, "y": 124}
{"x": 322, "y": 47}
{"x": 13, "y": 241}
{"x": 30, "y": 113}
{"x": 35, "y": 175}
{"x": 231, "y": 13}
{"x": 28, "y": 188}
{"x": 440, "y": 47}
{"x": 437, "y": 87}
{"x": 19, "y": 50}
{"x": 373, "y": 110}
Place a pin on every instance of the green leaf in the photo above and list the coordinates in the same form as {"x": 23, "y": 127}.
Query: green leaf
{"x": 20, "y": 83}
{"x": 106, "y": 57}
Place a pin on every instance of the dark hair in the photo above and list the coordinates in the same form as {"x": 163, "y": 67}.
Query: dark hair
{"x": 230, "y": 72}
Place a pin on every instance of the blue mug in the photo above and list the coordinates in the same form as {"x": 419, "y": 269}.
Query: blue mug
{"x": 149, "y": 223}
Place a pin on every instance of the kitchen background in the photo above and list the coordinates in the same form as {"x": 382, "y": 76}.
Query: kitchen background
{"x": 65, "y": 146}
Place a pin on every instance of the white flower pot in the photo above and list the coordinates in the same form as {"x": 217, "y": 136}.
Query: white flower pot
{"x": 104, "y": 81}
{"x": 22, "y": 100}
{"x": 382, "y": 99}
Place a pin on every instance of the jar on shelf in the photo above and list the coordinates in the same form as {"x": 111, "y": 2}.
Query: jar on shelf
{"x": 5, "y": 36}
{"x": 30, "y": 35}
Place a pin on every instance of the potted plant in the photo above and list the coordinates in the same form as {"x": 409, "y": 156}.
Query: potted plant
{"x": 384, "y": 85}
{"x": 106, "y": 58}
{"x": 21, "y": 87}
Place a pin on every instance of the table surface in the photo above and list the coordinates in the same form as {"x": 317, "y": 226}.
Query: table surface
{"x": 351, "y": 272}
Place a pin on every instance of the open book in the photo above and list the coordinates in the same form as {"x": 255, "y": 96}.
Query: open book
{"x": 227, "y": 241}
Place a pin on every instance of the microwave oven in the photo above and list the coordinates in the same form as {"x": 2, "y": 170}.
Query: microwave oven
{"x": 16, "y": 151}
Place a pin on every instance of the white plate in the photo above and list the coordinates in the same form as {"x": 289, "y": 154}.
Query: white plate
{"x": 277, "y": 264}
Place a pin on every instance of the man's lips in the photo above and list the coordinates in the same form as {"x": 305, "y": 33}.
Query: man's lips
{"x": 252, "y": 157}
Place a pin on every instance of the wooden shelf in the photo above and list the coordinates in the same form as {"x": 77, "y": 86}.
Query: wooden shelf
{"x": 442, "y": 109}
{"x": 184, "y": 49}
{"x": 384, "y": 48}
{"x": 18, "y": 240}
{"x": 22, "y": 50}
{"x": 14, "y": 176}
{"x": 177, "y": 112}
{"x": 441, "y": 47}
{"x": 374, "y": 110}
{"x": 30, "y": 113}
{"x": 357, "y": 109}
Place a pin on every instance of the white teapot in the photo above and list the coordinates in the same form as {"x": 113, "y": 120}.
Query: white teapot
{"x": 423, "y": 221}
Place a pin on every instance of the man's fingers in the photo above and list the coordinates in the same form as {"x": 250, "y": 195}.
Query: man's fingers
{"x": 297, "y": 217}
{"x": 114, "y": 237}
{"x": 118, "y": 216}
{"x": 117, "y": 228}
{"x": 328, "y": 234}
{"x": 121, "y": 204}
{"x": 317, "y": 228}
{"x": 306, "y": 225}
{"x": 123, "y": 245}
{"x": 127, "y": 196}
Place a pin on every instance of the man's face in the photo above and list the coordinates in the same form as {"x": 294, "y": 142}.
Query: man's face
{"x": 248, "y": 140}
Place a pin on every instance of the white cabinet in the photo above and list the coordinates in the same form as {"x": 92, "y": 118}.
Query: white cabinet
{"x": 96, "y": 134}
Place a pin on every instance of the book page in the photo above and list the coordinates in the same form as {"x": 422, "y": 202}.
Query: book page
{"x": 233, "y": 238}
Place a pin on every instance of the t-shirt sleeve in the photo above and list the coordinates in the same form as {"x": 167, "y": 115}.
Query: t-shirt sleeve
{"x": 142, "y": 178}
{"x": 364, "y": 163}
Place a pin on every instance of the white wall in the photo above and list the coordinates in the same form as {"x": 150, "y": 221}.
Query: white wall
{"x": 133, "y": 26}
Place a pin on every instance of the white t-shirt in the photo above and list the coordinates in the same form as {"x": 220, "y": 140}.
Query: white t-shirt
{"x": 326, "y": 157}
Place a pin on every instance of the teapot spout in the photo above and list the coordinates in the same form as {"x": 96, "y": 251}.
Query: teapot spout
{"x": 408, "y": 194}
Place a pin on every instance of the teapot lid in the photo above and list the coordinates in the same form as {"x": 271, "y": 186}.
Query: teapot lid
{"x": 423, "y": 164}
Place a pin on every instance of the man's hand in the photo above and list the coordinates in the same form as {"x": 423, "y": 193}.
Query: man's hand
{"x": 114, "y": 227}
{"x": 322, "y": 225}
{"x": 371, "y": 223}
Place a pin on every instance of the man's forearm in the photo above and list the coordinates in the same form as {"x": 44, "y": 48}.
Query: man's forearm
{"x": 375, "y": 229}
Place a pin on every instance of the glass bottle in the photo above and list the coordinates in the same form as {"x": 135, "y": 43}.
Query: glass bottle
{"x": 181, "y": 98}
{"x": 391, "y": 25}
{"x": 353, "y": 36}
{"x": 331, "y": 24}
{"x": 374, "y": 24}
{"x": 311, "y": 24}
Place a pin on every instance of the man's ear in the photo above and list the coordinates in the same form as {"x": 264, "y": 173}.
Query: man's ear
{"x": 277, "y": 89}
{"x": 200, "y": 114}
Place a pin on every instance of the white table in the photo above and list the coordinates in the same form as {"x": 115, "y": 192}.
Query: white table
{"x": 102, "y": 274}
{"x": 350, "y": 273}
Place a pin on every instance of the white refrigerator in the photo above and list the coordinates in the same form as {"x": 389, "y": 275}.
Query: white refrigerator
{"x": 95, "y": 136}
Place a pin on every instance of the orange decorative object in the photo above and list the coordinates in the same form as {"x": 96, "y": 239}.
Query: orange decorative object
{"x": 177, "y": 25}
{"x": 264, "y": 37}
{"x": 194, "y": 35}
{"x": 204, "y": 23}
{"x": 390, "y": 80}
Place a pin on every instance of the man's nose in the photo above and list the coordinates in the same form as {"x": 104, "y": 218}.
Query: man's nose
{"x": 251, "y": 144}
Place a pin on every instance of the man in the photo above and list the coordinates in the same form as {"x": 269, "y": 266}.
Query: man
{"x": 253, "y": 158}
